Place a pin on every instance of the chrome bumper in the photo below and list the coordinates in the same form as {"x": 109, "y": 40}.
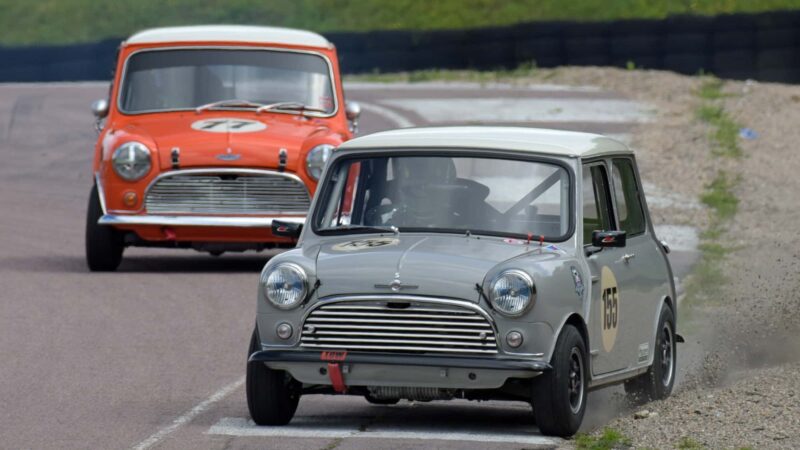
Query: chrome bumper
{"x": 196, "y": 221}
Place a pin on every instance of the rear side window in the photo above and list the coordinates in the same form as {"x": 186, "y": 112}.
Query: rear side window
{"x": 629, "y": 203}
{"x": 596, "y": 204}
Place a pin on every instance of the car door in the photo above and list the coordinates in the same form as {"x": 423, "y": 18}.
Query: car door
{"x": 604, "y": 320}
{"x": 642, "y": 265}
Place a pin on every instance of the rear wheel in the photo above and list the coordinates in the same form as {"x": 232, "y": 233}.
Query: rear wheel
{"x": 272, "y": 395}
{"x": 104, "y": 244}
{"x": 657, "y": 382}
{"x": 559, "y": 395}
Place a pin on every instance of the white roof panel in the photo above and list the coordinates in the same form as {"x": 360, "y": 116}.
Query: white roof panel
{"x": 534, "y": 140}
{"x": 230, "y": 33}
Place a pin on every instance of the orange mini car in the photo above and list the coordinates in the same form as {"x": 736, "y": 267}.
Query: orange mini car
{"x": 210, "y": 133}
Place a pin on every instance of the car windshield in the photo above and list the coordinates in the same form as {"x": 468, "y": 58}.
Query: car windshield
{"x": 182, "y": 79}
{"x": 449, "y": 194}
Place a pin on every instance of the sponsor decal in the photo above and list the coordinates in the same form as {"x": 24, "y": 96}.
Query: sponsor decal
{"x": 362, "y": 244}
{"x": 576, "y": 277}
{"x": 610, "y": 308}
{"x": 227, "y": 125}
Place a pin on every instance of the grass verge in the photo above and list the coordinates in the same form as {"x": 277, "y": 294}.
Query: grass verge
{"x": 610, "y": 439}
{"x": 725, "y": 132}
{"x": 70, "y": 21}
{"x": 525, "y": 70}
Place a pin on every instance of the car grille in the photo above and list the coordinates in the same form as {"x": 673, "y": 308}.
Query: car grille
{"x": 407, "y": 327}
{"x": 211, "y": 193}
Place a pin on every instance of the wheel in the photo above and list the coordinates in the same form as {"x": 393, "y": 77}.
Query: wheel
{"x": 559, "y": 395}
{"x": 381, "y": 401}
{"x": 659, "y": 379}
{"x": 104, "y": 244}
{"x": 272, "y": 395}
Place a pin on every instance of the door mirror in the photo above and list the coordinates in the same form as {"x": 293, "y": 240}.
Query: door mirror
{"x": 353, "y": 111}
{"x": 286, "y": 229}
{"x": 100, "y": 108}
{"x": 604, "y": 239}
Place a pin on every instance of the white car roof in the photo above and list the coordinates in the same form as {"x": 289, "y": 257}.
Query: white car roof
{"x": 230, "y": 33}
{"x": 535, "y": 140}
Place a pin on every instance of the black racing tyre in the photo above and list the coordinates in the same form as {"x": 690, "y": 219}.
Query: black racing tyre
{"x": 559, "y": 395}
{"x": 104, "y": 244}
{"x": 381, "y": 401}
{"x": 657, "y": 382}
{"x": 272, "y": 395}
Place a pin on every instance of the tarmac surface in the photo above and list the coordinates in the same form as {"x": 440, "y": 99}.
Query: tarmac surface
{"x": 153, "y": 356}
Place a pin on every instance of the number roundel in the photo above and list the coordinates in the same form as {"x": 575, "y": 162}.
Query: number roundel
{"x": 609, "y": 308}
{"x": 226, "y": 125}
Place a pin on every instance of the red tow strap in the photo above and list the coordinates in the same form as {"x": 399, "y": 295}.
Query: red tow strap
{"x": 334, "y": 370}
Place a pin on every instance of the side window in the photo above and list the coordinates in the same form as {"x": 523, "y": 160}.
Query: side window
{"x": 629, "y": 202}
{"x": 596, "y": 204}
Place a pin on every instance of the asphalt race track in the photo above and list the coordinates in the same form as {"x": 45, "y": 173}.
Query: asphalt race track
{"x": 153, "y": 356}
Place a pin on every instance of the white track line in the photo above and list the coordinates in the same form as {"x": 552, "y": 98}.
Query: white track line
{"x": 189, "y": 415}
{"x": 232, "y": 426}
{"x": 388, "y": 114}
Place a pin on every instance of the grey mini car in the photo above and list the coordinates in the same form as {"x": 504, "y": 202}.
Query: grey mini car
{"x": 481, "y": 263}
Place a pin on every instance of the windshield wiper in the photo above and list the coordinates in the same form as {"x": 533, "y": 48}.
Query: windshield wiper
{"x": 294, "y": 106}
{"x": 377, "y": 229}
{"x": 231, "y": 102}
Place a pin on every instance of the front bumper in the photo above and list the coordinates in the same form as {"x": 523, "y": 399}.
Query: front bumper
{"x": 195, "y": 221}
{"x": 385, "y": 369}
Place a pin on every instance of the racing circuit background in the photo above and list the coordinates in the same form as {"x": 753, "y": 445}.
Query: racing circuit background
{"x": 154, "y": 355}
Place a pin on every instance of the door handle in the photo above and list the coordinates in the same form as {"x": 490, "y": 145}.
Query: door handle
{"x": 628, "y": 256}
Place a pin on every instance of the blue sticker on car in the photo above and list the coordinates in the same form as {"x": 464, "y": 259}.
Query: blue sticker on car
{"x": 576, "y": 277}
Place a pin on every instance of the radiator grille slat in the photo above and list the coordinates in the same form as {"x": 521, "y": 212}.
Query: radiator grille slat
{"x": 415, "y": 327}
{"x": 211, "y": 193}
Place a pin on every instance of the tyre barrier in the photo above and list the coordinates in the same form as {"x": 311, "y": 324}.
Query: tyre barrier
{"x": 764, "y": 46}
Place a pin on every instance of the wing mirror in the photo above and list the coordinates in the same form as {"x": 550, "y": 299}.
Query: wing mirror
{"x": 352, "y": 110}
{"x": 100, "y": 108}
{"x": 604, "y": 239}
{"x": 286, "y": 229}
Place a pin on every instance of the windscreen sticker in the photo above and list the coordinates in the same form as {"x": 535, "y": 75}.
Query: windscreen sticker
{"x": 609, "y": 309}
{"x": 363, "y": 244}
{"x": 226, "y": 125}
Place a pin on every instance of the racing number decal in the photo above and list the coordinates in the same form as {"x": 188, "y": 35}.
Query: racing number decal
{"x": 225, "y": 125}
{"x": 363, "y": 244}
{"x": 609, "y": 308}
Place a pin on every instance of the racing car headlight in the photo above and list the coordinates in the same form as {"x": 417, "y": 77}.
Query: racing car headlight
{"x": 131, "y": 161}
{"x": 317, "y": 158}
{"x": 285, "y": 285}
{"x": 512, "y": 292}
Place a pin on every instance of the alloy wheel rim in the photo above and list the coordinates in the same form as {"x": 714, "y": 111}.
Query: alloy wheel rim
{"x": 667, "y": 352}
{"x": 576, "y": 385}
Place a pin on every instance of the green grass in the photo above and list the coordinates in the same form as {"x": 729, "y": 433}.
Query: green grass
{"x": 608, "y": 440}
{"x": 525, "y": 70}
{"x": 725, "y": 132}
{"x": 687, "y": 443}
{"x": 69, "y": 21}
{"x": 720, "y": 198}
{"x": 711, "y": 89}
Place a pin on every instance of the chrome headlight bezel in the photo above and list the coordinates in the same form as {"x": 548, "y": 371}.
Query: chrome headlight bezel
{"x": 524, "y": 280}
{"x": 132, "y": 161}
{"x": 317, "y": 158}
{"x": 299, "y": 285}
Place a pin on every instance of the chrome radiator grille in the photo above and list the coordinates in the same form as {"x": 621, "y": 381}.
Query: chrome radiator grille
{"x": 227, "y": 193}
{"x": 413, "y": 327}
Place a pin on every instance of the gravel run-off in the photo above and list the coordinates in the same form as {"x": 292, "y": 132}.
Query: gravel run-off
{"x": 741, "y": 362}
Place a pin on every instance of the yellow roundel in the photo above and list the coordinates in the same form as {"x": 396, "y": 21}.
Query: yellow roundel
{"x": 609, "y": 308}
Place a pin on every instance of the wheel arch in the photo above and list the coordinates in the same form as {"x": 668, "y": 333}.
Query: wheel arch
{"x": 576, "y": 320}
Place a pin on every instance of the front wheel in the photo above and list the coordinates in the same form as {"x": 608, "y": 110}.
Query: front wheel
{"x": 657, "y": 382}
{"x": 104, "y": 244}
{"x": 272, "y": 395}
{"x": 559, "y": 395}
